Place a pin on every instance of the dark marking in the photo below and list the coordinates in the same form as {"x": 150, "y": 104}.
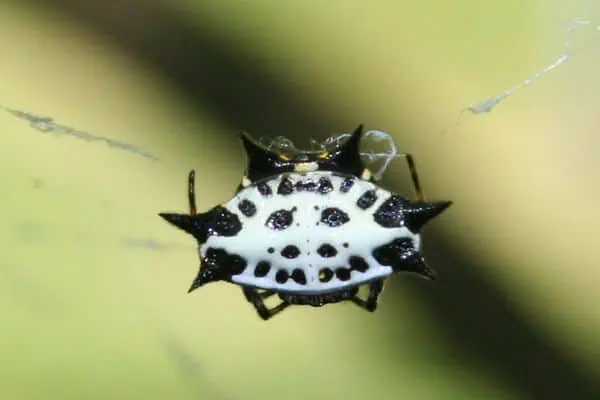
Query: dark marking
{"x": 344, "y": 159}
{"x": 325, "y": 275}
{"x": 236, "y": 264}
{"x": 247, "y": 207}
{"x": 285, "y": 187}
{"x": 334, "y": 217}
{"x": 325, "y": 185}
{"x": 280, "y": 219}
{"x": 271, "y": 250}
{"x": 401, "y": 255}
{"x": 316, "y": 207}
{"x": 262, "y": 269}
{"x": 346, "y": 185}
{"x": 318, "y": 300}
{"x": 290, "y": 251}
{"x": 415, "y": 215}
{"x": 298, "y": 276}
{"x": 326, "y": 250}
{"x": 211, "y": 268}
{"x": 263, "y": 162}
{"x": 345, "y": 244}
{"x": 223, "y": 222}
{"x": 282, "y": 276}
{"x": 218, "y": 265}
{"x": 358, "y": 264}
{"x": 215, "y": 255}
{"x": 390, "y": 254}
{"x": 264, "y": 189}
{"x": 343, "y": 274}
{"x": 306, "y": 186}
{"x": 389, "y": 214}
{"x": 218, "y": 221}
{"x": 367, "y": 199}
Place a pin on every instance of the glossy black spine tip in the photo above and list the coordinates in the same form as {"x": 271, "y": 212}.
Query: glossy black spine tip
{"x": 420, "y": 267}
{"x": 209, "y": 272}
{"x": 181, "y": 221}
{"x": 192, "y": 224}
{"x": 416, "y": 215}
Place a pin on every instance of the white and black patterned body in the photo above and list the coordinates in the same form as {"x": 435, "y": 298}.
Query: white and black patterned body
{"x": 311, "y": 228}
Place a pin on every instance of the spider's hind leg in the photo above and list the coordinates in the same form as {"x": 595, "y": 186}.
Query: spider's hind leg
{"x": 258, "y": 301}
{"x": 414, "y": 176}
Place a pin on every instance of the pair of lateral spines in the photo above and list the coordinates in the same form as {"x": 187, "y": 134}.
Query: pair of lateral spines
{"x": 263, "y": 163}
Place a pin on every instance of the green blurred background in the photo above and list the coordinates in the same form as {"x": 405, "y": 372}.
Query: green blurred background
{"x": 93, "y": 284}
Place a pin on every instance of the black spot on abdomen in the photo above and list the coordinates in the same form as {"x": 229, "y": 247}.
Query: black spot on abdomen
{"x": 247, "y": 208}
{"x": 223, "y": 222}
{"x": 262, "y": 269}
{"x": 358, "y": 263}
{"x": 325, "y": 185}
{"x": 343, "y": 274}
{"x": 367, "y": 199}
{"x": 264, "y": 189}
{"x": 280, "y": 219}
{"x": 395, "y": 252}
{"x": 298, "y": 276}
{"x": 285, "y": 187}
{"x": 346, "y": 185}
{"x": 215, "y": 256}
{"x": 237, "y": 264}
{"x": 228, "y": 264}
{"x": 389, "y": 214}
{"x": 282, "y": 276}
{"x": 326, "y": 250}
{"x": 334, "y": 217}
{"x": 290, "y": 251}
{"x": 306, "y": 186}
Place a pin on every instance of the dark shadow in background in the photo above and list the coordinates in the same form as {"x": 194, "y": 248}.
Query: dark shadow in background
{"x": 470, "y": 309}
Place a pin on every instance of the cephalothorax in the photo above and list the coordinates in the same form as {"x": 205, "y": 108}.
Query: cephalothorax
{"x": 309, "y": 226}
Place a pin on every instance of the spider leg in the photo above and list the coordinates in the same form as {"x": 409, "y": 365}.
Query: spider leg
{"x": 191, "y": 192}
{"x": 257, "y": 300}
{"x": 266, "y": 294}
{"x": 412, "y": 167}
{"x": 370, "y": 304}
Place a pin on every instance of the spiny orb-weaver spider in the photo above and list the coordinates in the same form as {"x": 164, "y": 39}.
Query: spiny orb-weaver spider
{"x": 309, "y": 226}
